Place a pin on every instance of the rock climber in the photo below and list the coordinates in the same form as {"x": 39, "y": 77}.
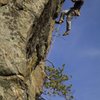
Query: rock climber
{"x": 73, "y": 11}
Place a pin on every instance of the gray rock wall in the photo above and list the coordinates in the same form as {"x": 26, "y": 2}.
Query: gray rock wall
{"x": 25, "y": 36}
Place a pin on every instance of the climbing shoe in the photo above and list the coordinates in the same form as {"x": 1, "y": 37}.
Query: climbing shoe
{"x": 66, "y": 33}
{"x": 59, "y": 22}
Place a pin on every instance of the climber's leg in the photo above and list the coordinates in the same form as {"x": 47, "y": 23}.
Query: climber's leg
{"x": 61, "y": 19}
{"x": 68, "y": 23}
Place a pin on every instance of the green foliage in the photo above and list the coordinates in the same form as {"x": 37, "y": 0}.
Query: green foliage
{"x": 55, "y": 82}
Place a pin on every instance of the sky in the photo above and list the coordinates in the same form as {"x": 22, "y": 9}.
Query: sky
{"x": 80, "y": 51}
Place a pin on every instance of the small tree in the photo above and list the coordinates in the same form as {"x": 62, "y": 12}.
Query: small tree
{"x": 55, "y": 82}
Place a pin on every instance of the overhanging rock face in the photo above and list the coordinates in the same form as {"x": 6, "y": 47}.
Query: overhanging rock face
{"x": 25, "y": 36}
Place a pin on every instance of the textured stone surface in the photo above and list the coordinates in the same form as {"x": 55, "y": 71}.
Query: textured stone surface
{"x": 25, "y": 36}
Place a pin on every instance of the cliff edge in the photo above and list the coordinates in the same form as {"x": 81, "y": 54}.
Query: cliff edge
{"x": 25, "y": 36}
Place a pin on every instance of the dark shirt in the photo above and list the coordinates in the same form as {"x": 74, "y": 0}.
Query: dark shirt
{"x": 78, "y": 4}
